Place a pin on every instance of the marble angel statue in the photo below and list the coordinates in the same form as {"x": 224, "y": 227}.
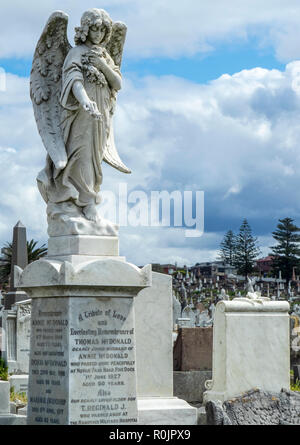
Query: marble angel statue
{"x": 73, "y": 91}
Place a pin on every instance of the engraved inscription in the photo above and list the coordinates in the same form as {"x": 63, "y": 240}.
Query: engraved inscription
{"x": 82, "y": 363}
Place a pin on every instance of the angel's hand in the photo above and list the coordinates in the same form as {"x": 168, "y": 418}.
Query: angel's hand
{"x": 97, "y": 61}
{"x": 92, "y": 109}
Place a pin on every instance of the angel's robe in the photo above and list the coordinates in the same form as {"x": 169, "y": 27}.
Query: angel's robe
{"x": 85, "y": 138}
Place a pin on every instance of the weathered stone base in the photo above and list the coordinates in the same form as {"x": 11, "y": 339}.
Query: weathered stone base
{"x": 256, "y": 408}
{"x": 166, "y": 411}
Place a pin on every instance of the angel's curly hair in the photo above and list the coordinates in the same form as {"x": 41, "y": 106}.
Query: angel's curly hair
{"x": 90, "y": 18}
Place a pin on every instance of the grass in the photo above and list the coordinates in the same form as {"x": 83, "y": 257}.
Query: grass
{"x": 294, "y": 386}
{"x": 20, "y": 398}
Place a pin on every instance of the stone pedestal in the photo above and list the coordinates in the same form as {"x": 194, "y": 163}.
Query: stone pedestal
{"x": 82, "y": 354}
{"x": 250, "y": 348}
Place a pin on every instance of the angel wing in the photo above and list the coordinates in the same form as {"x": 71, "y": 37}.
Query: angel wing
{"x": 115, "y": 48}
{"x": 45, "y": 84}
{"x": 116, "y": 43}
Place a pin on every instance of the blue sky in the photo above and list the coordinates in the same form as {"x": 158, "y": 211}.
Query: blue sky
{"x": 229, "y": 58}
{"x": 210, "y": 101}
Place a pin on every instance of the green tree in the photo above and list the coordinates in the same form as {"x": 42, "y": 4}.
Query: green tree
{"x": 34, "y": 253}
{"x": 227, "y": 248}
{"x": 246, "y": 250}
{"x": 287, "y": 252}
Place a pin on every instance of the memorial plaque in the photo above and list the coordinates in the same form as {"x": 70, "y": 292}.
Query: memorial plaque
{"x": 82, "y": 367}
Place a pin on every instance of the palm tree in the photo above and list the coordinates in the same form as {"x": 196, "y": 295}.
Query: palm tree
{"x": 33, "y": 252}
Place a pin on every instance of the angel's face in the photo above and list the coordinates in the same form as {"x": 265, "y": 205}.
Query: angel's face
{"x": 96, "y": 33}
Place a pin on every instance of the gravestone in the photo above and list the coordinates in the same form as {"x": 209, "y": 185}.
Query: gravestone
{"x": 176, "y": 310}
{"x": 157, "y": 403}
{"x": 203, "y": 319}
{"x": 190, "y": 314}
{"x": 16, "y": 337}
{"x": 248, "y": 337}
{"x": 83, "y": 344}
{"x": 193, "y": 349}
{"x": 19, "y": 258}
{"x": 82, "y": 353}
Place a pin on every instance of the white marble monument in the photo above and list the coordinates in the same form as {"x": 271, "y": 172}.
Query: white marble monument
{"x": 250, "y": 347}
{"x": 83, "y": 367}
{"x": 154, "y": 349}
{"x": 82, "y": 353}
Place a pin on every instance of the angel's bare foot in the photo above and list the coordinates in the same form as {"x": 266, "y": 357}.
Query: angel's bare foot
{"x": 90, "y": 212}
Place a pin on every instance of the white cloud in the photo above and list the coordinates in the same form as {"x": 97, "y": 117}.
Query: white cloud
{"x": 237, "y": 136}
{"x": 164, "y": 28}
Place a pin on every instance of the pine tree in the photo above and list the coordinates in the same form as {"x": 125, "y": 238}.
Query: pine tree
{"x": 246, "y": 250}
{"x": 286, "y": 252}
{"x": 227, "y": 248}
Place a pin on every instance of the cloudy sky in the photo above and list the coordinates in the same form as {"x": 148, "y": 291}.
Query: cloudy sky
{"x": 210, "y": 102}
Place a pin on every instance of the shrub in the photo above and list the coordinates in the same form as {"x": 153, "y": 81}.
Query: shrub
{"x": 295, "y": 386}
{"x": 3, "y": 370}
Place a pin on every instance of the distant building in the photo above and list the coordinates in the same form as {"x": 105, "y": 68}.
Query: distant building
{"x": 264, "y": 265}
{"x": 212, "y": 269}
{"x": 164, "y": 268}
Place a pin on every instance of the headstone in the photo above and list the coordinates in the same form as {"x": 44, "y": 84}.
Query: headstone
{"x": 154, "y": 350}
{"x": 248, "y": 338}
{"x": 19, "y": 258}
{"x": 193, "y": 349}
{"x": 223, "y": 295}
{"x": 212, "y": 308}
{"x": 176, "y": 310}
{"x": 203, "y": 319}
{"x": 23, "y": 327}
{"x": 188, "y": 312}
{"x": 16, "y": 337}
{"x": 154, "y": 354}
{"x": 83, "y": 344}
{"x": 82, "y": 353}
